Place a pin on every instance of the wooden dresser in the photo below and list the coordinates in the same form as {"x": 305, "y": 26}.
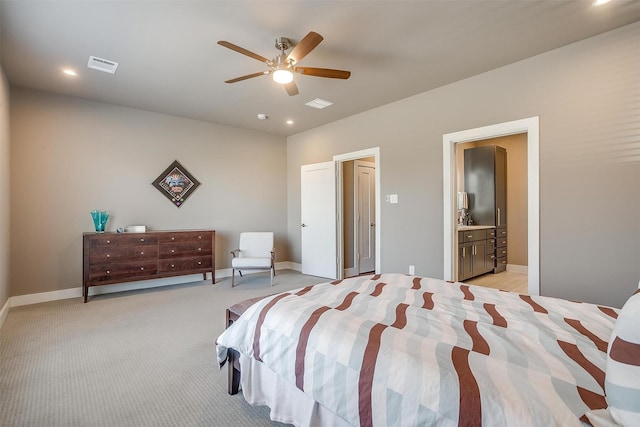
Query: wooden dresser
{"x": 127, "y": 257}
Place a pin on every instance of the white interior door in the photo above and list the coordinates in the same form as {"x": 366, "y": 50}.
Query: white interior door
{"x": 318, "y": 215}
{"x": 365, "y": 198}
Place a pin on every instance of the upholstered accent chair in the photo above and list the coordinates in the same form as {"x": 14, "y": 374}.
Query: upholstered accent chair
{"x": 255, "y": 252}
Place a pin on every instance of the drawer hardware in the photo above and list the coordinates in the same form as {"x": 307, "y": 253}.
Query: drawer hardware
{"x": 173, "y": 238}
{"x": 199, "y": 237}
{"x": 108, "y": 241}
{"x": 173, "y": 250}
{"x": 199, "y": 262}
{"x": 108, "y": 271}
{"x": 142, "y": 240}
{"x": 173, "y": 266}
{"x": 199, "y": 249}
{"x": 108, "y": 256}
{"x": 141, "y": 268}
{"x": 141, "y": 253}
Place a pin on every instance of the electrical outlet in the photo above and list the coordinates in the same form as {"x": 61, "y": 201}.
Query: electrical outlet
{"x": 412, "y": 270}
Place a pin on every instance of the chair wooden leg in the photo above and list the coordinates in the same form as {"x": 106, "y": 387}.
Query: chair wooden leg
{"x": 233, "y": 276}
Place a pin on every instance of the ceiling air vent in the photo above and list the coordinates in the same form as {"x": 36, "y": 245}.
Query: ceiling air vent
{"x": 103, "y": 65}
{"x": 319, "y": 103}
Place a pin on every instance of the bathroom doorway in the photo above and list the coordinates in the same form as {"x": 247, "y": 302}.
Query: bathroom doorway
{"x": 528, "y": 127}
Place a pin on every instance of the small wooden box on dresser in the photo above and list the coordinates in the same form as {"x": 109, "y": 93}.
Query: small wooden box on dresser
{"x": 126, "y": 257}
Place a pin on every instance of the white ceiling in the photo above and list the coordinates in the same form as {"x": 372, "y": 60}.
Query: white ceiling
{"x": 170, "y": 61}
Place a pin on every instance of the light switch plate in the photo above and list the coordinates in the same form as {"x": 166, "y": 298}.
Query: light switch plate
{"x": 393, "y": 198}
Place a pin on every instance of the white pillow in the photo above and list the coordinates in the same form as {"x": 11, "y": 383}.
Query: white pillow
{"x": 622, "y": 380}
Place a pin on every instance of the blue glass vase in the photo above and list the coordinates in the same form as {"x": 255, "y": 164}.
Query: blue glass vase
{"x": 99, "y": 220}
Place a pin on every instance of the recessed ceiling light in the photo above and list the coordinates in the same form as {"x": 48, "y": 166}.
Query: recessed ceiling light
{"x": 319, "y": 103}
{"x": 289, "y": 122}
{"x": 262, "y": 116}
{"x": 69, "y": 72}
{"x": 600, "y": 2}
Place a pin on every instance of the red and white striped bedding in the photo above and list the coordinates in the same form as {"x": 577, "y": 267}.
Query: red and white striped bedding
{"x": 397, "y": 350}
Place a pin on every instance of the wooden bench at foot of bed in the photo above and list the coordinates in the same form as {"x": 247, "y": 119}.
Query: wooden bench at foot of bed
{"x": 233, "y": 357}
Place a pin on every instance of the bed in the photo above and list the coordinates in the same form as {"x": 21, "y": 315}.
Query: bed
{"x": 398, "y": 350}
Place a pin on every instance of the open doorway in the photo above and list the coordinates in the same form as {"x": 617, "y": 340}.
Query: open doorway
{"x": 450, "y": 169}
{"x": 505, "y": 253}
{"x": 359, "y": 212}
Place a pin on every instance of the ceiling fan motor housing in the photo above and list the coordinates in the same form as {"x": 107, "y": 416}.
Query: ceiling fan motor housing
{"x": 283, "y": 43}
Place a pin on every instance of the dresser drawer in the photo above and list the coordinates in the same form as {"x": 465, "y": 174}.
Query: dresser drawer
{"x": 105, "y": 255}
{"x": 103, "y": 272}
{"x": 501, "y": 252}
{"x": 186, "y": 236}
{"x": 123, "y": 239}
{"x": 184, "y": 249}
{"x": 184, "y": 264}
{"x": 501, "y": 242}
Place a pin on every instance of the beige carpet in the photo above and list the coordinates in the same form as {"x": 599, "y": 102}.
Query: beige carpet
{"x": 137, "y": 358}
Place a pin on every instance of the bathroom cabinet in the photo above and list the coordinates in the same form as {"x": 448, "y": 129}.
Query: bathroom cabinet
{"x": 485, "y": 182}
{"x": 476, "y": 252}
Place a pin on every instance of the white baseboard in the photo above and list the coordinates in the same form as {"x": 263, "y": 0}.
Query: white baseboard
{"x": 518, "y": 268}
{"x": 37, "y": 298}
{"x": 4, "y": 312}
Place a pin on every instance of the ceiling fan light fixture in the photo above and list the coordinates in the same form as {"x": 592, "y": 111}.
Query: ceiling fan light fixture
{"x": 282, "y": 76}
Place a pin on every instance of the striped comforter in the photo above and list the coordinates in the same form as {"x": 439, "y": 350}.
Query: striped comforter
{"x": 397, "y": 350}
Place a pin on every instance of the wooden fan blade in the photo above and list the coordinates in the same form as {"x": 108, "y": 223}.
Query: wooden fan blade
{"x": 242, "y": 51}
{"x": 248, "y": 76}
{"x": 323, "y": 72}
{"x": 291, "y": 88}
{"x": 306, "y": 45}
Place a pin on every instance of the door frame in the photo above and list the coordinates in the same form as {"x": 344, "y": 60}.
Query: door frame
{"x": 340, "y": 159}
{"x": 530, "y": 126}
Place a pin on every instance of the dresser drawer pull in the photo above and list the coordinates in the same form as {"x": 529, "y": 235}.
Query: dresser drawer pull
{"x": 173, "y": 266}
{"x": 469, "y": 236}
{"x": 141, "y": 268}
{"x": 173, "y": 238}
{"x": 108, "y": 256}
{"x": 141, "y": 253}
{"x": 199, "y": 262}
{"x": 173, "y": 250}
{"x": 108, "y": 271}
{"x": 199, "y": 249}
{"x": 142, "y": 240}
{"x": 199, "y": 237}
{"x": 108, "y": 241}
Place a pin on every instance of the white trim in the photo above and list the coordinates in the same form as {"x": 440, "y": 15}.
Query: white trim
{"x": 37, "y": 298}
{"x": 530, "y": 126}
{"x": 375, "y": 153}
{"x": 5, "y": 311}
{"x": 514, "y": 268}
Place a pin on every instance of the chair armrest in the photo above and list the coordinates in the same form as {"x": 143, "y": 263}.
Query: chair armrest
{"x": 235, "y": 252}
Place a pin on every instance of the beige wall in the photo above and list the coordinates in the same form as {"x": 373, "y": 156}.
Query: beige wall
{"x": 70, "y": 156}
{"x": 4, "y": 189}
{"x": 585, "y": 95}
{"x": 517, "y": 217}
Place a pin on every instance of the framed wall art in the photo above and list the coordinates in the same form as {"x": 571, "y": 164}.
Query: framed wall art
{"x": 176, "y": 183}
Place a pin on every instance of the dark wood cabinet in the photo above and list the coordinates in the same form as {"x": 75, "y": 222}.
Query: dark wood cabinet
{"x": 485, "y": 181}
{"x": 125, "y": 257}
{"x": 475, "y": 252}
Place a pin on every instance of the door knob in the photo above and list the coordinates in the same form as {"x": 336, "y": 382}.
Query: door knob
{"x": 303, "y": 225}
{"x": 373, "y": 224}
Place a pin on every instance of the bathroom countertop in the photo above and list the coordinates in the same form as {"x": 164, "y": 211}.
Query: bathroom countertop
{"x": 474, "y": 227}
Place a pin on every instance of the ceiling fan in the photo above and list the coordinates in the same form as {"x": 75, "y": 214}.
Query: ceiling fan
{"x": 283, "y": 66}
